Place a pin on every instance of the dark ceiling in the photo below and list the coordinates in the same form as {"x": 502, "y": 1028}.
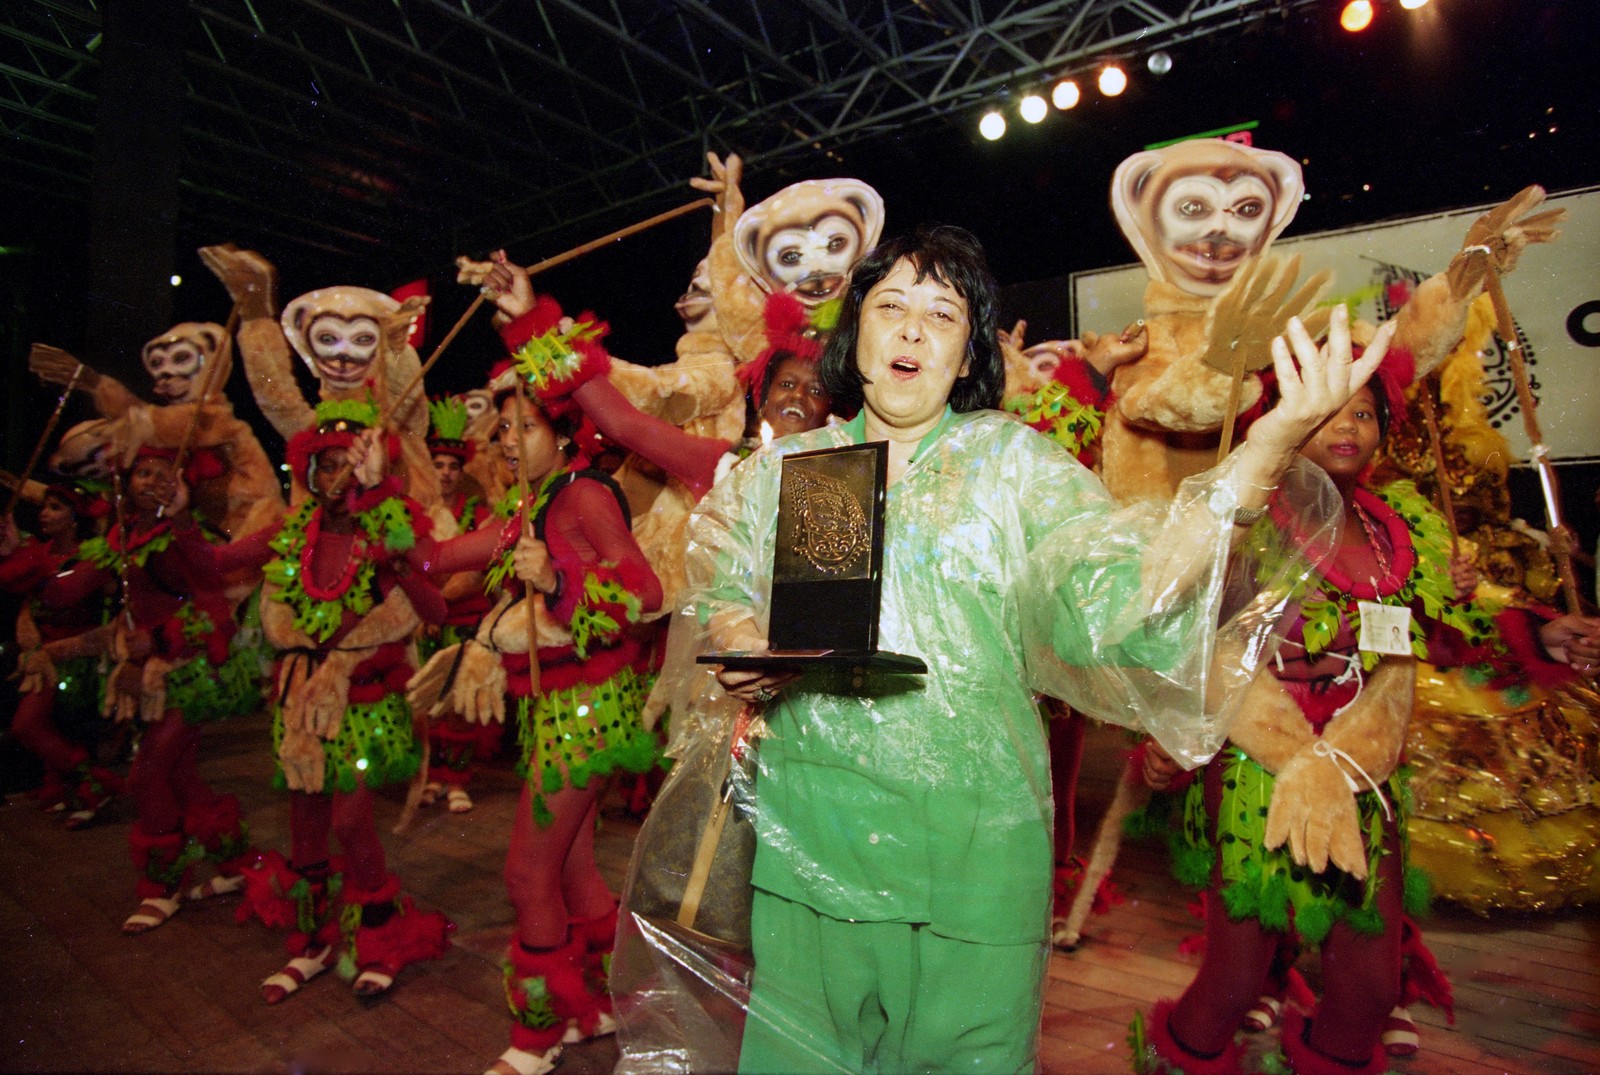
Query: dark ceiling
{"x": 368, "y": 141}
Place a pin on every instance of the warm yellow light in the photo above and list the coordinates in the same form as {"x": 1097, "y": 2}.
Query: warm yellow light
{"x": 992, "y": 125}
{"x": 1412, "y": 5}
{"x": 1065, "y": 95}
{"x": 1034, "y": 108}
{"x": 1112, "y": 80}
{"x": 1356, "y": 16}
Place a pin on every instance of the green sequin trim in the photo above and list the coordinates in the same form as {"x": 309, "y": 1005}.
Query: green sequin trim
{"x": 388, "y": 525}
{"x": 202, "y": 692}
{"x": 376, "y": 746}
{"x": 1268, "y": 885}
{"x": 583, "y": 732}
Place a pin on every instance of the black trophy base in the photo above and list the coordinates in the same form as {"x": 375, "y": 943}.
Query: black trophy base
{"x": 878, "y": 661}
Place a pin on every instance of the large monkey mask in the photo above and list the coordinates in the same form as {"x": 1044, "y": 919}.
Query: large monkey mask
{"x": 340, "y": 332}
{"x": 177, "y": 360}
{"x": 1195, "y": 211}
{"x": 806, "y": 238}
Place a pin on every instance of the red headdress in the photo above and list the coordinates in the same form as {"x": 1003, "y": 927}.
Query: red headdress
{"x": 338, "y": 423}
{"x": 790, "y": 333}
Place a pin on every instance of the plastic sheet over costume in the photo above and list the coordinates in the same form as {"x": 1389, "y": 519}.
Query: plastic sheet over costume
{"x": 922, "y": 799}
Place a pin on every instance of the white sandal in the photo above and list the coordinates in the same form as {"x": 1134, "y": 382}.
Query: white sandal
{"x": 372, "y": 981}
{"x": 141, "y": 921}
{"x": 295, "y": 974}
{"x": 515, "y": 1061}
{"x": 430, "y": 793}
{"x": 460, "y": 802}
{"x": 218, "y": 885}
{"x": 606, "y": 1025}
{"x": 1263, "y": 1016}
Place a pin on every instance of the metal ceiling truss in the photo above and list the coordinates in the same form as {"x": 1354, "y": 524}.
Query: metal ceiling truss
{"x": 352, "y": 125}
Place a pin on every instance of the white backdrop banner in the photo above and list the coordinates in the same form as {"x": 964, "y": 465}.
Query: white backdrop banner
{"x": 1554, "y": 296}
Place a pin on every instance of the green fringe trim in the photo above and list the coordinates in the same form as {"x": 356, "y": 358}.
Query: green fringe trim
{"x": 583, "y": 732}
{"x": 203, "y": 692}
{"x": 448, "y": 417}
{"x": 1268, "y": 885}
{"x": 550, "y": 359}
{"x": 1072, "y": 424}
{"x": 376, "y": 746}
{"x": 591, "y": 621}
{"x": 537, "y": 1009}
{"x": 361, "y": 411}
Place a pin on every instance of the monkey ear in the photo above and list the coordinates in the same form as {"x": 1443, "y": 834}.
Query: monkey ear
{"x": 397, "y": 325}
{"x": 1290, "y": 182}
{"x": 1129, "y": 192}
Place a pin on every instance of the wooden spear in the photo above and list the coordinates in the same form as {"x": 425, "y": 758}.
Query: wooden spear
{"x": 44, "y": 438}
{"x": 1561, "y": 539}
{"x": 1446, "y": 499}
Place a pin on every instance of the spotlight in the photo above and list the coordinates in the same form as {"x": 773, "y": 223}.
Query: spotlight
{"x": 1112, "y": 80}
{"x": 1034, "y": 108}
{"x": 1065, "y": 95}
{"x": 992, "y": 125}
{"x": 1159, "y": 63}
{"x": 1356, "y": 16}
{"x": 174, "y": 279}
{"x": 1412, "y": 5}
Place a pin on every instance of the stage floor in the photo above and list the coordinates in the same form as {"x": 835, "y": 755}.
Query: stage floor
{"x": 81, "y": 997}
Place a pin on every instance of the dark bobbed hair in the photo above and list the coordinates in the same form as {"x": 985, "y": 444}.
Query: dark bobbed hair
{"x": 952, "y": 256}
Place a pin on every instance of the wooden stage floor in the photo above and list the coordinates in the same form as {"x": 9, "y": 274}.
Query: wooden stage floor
{"x": 78, "y": 996}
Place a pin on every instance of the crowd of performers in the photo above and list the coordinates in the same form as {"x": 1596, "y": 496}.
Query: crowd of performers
{"x": 441, "y": 568}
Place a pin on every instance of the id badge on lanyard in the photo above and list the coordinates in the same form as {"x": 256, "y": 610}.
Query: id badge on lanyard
{"x": 1385, "y": 628}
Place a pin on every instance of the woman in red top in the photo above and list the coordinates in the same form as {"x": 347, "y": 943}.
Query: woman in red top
{"x": 578, "y": 586}
{"x": 175, "y": 669}
{"x": 58, "y": 665}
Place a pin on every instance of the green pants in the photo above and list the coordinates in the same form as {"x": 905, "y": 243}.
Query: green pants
{"x": 833, "y": 996}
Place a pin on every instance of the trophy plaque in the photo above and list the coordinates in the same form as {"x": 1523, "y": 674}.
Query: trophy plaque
{"x": 827, "y": 564}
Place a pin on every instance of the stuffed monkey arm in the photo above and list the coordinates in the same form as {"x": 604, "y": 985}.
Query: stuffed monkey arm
{"x": 1270, "y": 727}
{"x": 1434, "y": 317}
{"x": 328, "y": 688}
{"x": 1314, "y": 803}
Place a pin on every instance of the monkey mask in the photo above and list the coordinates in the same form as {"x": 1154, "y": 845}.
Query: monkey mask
{"x": 176, "y": 360}
{"x": 341, "y": 331}
{"x": 1195, "y": 211}
{"x": 84, "y": 452}
{"x": 806, "y": 238}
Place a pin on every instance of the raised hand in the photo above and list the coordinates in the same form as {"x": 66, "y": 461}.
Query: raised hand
{"x": 251, "y": 280}
{"x": 1256, "y": 307}
{"x": 1313, "y": 382}
{"x": 724, "y": 184}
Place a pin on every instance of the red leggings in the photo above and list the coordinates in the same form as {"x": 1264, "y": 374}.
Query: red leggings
{"x": 165, "y": 779}
{"x": 348, "y": 816}
{"x": 551, "y": 874}
{"x": 32, "y": 727}
{"x": 1360, "y": 973}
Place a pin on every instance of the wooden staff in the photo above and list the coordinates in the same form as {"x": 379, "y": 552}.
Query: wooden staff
{"x": 1447, "y": 501}
{"x": 1235, "y": 390}
{"x": 44, "y": 438}
{"x": 403, "y": 407}
{"x": 520, "y": 408}
{"x": 1561, "y": 538}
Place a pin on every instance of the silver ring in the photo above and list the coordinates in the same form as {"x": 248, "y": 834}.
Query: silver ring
{"x": 764, "y": 695}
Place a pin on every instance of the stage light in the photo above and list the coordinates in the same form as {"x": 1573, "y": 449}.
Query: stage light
{"x": 1159, "y": 63}
{"x": 175, "y": 280}
{"x": 1065, "y": 95}
{"x": 1356, "y": 16}
{"x": 1112, "y": 80}
{"x": 1034, "y": 108}
{"x": 992, "y": 125}
{"x": 1412, "y": 5}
